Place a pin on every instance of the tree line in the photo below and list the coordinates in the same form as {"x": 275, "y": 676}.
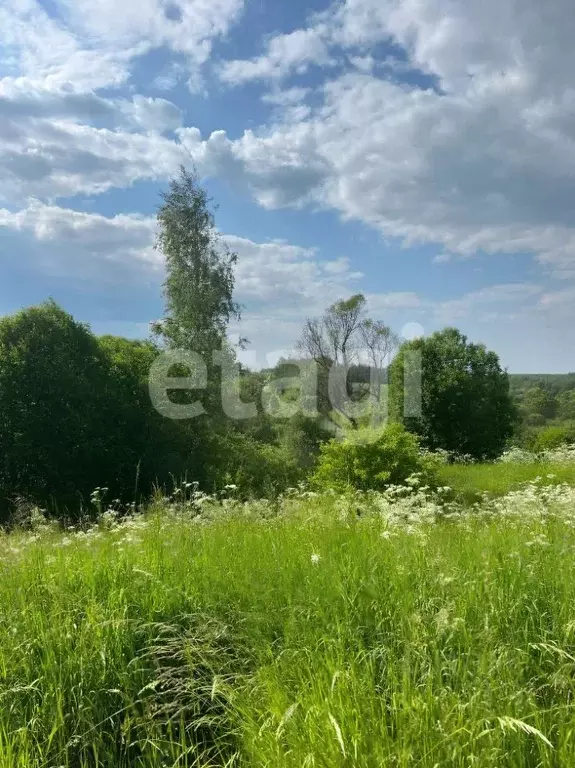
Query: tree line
{"x": 76, "y": 413}
{"x": 546, "y": 408}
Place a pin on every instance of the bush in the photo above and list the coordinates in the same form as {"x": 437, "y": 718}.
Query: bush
{"x": 67, "y": 422}
{"x": 371, "y": 459}
{"x": 301, "y": 438}
{"x": 256, "y": 469}
{"x": 552, "y": 437}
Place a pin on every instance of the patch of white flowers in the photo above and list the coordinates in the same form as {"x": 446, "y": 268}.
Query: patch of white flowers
{"x": 565, "y": 454}
{"x": 411, "y": 508}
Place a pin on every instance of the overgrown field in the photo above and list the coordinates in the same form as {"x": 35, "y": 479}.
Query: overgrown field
{"x": 375, "y": 630}
{"x": 470, "y": 481}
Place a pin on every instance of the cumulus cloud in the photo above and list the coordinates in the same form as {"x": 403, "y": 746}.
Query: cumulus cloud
{"x": 60, "y": 134}
{"x": 58, "y": 158}
{"x": 92, "y": 42}
{"x": 186, "y": 26}
{"x": 468, "y": 173}
{"x": 483, "y": 162}
{"x": 433, "y": 121}
{"x": 295, "y": 51}
{"x": 489, "y": 303}
{"x": 289, "y": 276}
{"x": 275, "y": 273}
{"x": 47, "y": 54}
{"x": 87, "y": 245}
{"x": 155, "y": 115}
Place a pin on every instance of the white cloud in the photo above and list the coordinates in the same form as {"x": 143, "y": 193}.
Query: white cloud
{"x": 186, "y": 26}
{"x": 58, "y": 158}
{"x": 93, "y": 42}
{"x": 285, "y": 53}
{"x": 289, "y": 278}
{"x": 279, "y": 283}
{"x": 155, "y": 115}
{"x": 483, "y": 163}
{"x": 86, "y": 245}
{"x": 494, "y": 302}
{"x": 288, "y": 97}
{"x": 384, "y": 302}
{"x": 58, "y": 135}
{"x": 49, "y": 55}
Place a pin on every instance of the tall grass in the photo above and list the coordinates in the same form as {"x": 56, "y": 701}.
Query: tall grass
{"x": 315, "y": 631}
{"x": 470, "y": 481}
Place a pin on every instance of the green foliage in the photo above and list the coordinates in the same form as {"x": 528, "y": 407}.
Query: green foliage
{"x": 552, "y": 437}
{"x": 553, "y": 382}
{"x": 540, "y": 402}
{"x": 370, "y": 459}
{"x": 165, "y": 449}
{"x": 257, "y": 470}
{"x": 75, "y": 414}
{"x": 466, "y": 407}
{"x": 543, "y": 401}
{"x": 311, "y": 638}
{"x": 63, "y": 425}
{"x": 566, "y": 405}
{"x": 301, "y": 438}
{"x": 471, "y": 481}
{"x": 200, "y": 278}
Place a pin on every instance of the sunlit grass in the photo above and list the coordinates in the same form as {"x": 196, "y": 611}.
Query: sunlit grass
{"x": 497, "y": 479}
{"x": 315, "y": 631}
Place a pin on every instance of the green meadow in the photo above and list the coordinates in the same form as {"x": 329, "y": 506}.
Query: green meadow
{"x": 390, "y": 629}
{"x": 471, "y": 481}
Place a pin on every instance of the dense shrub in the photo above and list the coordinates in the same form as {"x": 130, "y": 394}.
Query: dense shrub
{"x": 301, "y": 438}
{"x": 75, "y": 414}
{"x": 371, "y": 459}
{"x": 255, "y": 469}
{"x": 63, "y": 425}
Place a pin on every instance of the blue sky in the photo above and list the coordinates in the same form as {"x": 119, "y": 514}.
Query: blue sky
{"x": 422, "y": 153}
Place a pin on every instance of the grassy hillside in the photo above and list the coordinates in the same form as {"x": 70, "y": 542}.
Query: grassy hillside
{"x": 366, "y": 631}
{"x": 470, "y": 481}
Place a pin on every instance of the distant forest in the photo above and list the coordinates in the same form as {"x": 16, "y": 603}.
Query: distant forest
{"x": 546, "y": 408}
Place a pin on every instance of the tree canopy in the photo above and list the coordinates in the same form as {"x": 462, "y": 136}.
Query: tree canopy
{"x": 200, "y": 270}
{"x": 63, "y": 426}
{"x": 466, "y": 406}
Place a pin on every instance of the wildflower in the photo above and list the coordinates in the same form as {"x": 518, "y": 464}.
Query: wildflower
{"x": 315, "y": 558}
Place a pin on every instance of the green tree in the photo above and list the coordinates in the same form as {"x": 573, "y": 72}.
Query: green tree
{"x": 466, "y": 406}
{"x": 64, "y": 427}
{"x": 198, "y": 290}
{"x": 552, "y": 437}
{"x": 566, "y": 405}
{"x": 539, "y": 402}
{"x": 200, "y": 270}
{"x": 301, "y": 438}
{"x": 165, "y": 449}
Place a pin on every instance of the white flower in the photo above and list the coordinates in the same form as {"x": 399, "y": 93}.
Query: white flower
{"x": 315, "y": 558}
